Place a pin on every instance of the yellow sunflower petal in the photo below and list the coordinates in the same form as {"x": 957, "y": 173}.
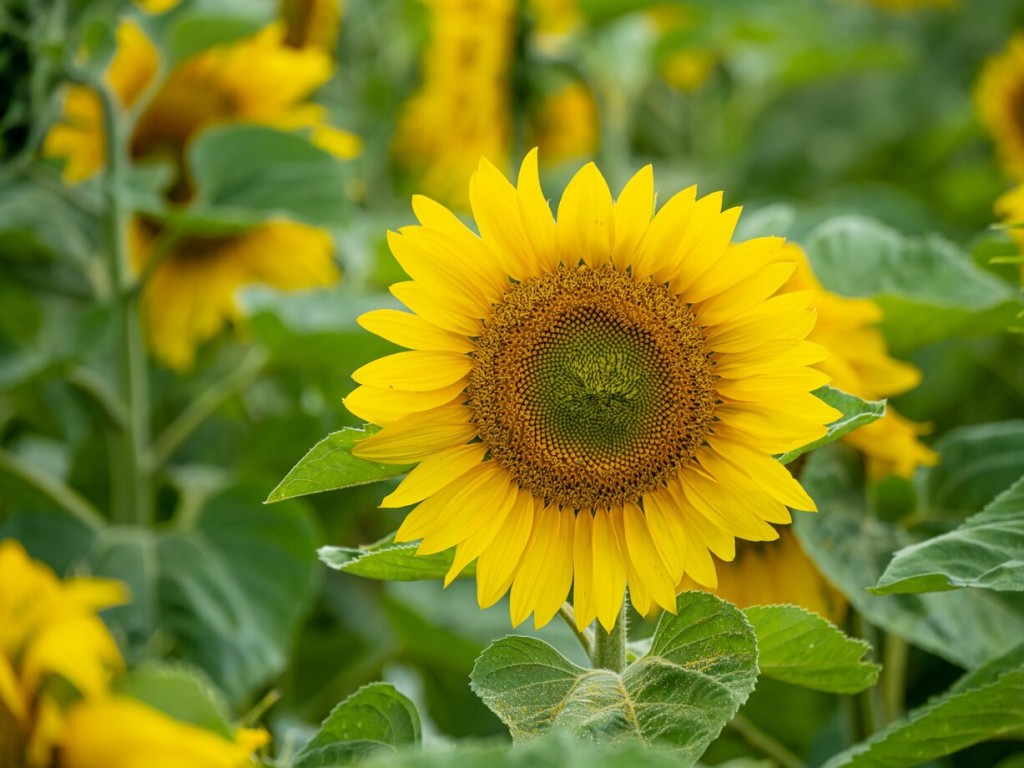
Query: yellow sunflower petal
{"x": 632, "y": 215}
{"x": 583, "y": 571}
{"x": 543, "y": 578}
{"x": 416, "y": 437}
{"x": 412, "y": 331}
{"x": 609, "y": 580}
{"x": 496, "y": 210}
{"x": 585, "y": 228}
{"x": 420, "y": 301}
{"x": 379, "y": 405}
{"x": 416, "y": 371}
{"x": 538, "y": 224}
{"x": 764, "y": 471}
{"x": 469, "y": 549}
{"x": 663, "y": 234}
{"x": 497, "y": 564}
{"x": 434, "y": 473}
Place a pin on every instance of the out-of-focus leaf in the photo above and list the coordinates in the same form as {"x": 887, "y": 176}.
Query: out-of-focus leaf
{"x": 330, "y": 465}
{"x": 801, "y": 648}
{"x": 249, "y": 173}
{"x": 226, "y": 593}
{"x": 555, "y": 751}
{"x": 389, "y": 561}
{"x": 986, "y": 551}
{"x": 701, "y": 667}
{"x": 965, "y": 627}
{"x": 190, "y": 34}
{"x": 56, "y": 539}
{"x": 985, "y": 704}
{"x": 977, "y": 462}
{"x": 376, "y": 717}
{"x": 180, "y": 691}
{"x": 927, "y": 287}
{"x": 856, "y": 413}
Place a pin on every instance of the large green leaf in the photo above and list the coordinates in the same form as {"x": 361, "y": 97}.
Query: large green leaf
{"x": 985, "y": 704}
{"x": 701, "y": 667}
{"x": 180, "y": 691}
{"x": 226, "y": 593}
{"x": 927, "y": 287}
{"x": 330, "y": 465}
{"x": 856, "y": 413}
{"x": 389, "y": 561}
{"x": 800, "y": 647}
{"x": 245, "y": 174}
{"x": 852, "y": 548}
{"x": 376, "y": 717}
{"x": 986, "y": 551}
{"x": 977, "y": 463}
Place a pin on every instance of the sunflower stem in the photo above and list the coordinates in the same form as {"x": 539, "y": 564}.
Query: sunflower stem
{"x": 131, "y": 481}
{"x": 894, "y": 676}
{"x": 765, "y": 743}
{"x": 64, "y": 496}
{"x": 610, "y": 647}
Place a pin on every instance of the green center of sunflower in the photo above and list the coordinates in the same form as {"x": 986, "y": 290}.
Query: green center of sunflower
{"x": 590, "y": 388}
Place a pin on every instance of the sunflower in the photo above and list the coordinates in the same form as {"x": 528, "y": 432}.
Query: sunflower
{"x": 859, "y": 363}
{"x": 256, "y": 80}
{"x": 311, "y": 23}
{"x": 776, "y": 573}
{"x": 461, "y": 111}
{"x": 999, "y": 99}
{"x": 592, "y": 401}
{"x": 49, "y": 630}
{"x": 190, "y": 294}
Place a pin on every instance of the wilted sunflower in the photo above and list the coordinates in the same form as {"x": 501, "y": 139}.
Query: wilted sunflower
{"x": 999, "y": 97}
{"x": 592, "y": 401}
{"x": 859, "y": 363}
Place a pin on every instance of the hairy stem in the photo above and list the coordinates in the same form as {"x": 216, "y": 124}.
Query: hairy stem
{"x": 586, "y": 637}
{"x": 610, "y": 647}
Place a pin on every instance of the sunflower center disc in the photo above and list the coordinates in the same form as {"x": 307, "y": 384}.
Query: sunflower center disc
{"x": 590, "y": 388}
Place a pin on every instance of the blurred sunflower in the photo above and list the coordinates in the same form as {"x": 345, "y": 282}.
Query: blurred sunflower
{"x": 684, "y": 67}
{"x": 461, "y": 111}
{"x": 859, "y": 363}
{"x": 311, "y": 23}
{"x": 594, "y": 400}
{"x": 190, "y": 294}
{"x": 999, "y": 96}
{"x": 50, "y": 634}
{"x": 565, "y": 126}
{"x": 256, "y": 80}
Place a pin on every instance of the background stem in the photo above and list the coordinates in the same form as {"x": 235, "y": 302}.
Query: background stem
{"x": 610, "y": 647}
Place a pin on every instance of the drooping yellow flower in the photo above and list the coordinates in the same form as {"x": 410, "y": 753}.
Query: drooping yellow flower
{"x": 778, "y": 573}
{"x": 592, "y": 401}
{"x": 461, "y": 111}
{"x": 311, "y": 23}
{"x": 257, "y": 80}
{"x": 566, "y": 124}
{"x": 859, "y": 363}
{"x": 119, "y": 732}
{"x": 79, "y": 137}
{"x": 999, "y": 99}
{"x": 191, "y": 294}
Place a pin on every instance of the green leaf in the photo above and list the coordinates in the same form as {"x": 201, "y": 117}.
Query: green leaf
{"x": 249, "y": 173}
{"x": 330, "y": 465}
{"x": 180, "y": 691}
{"x": 986, "y": 551}
{"x": 927, "y": 287}
{"x": 986, "y": 704}
{"x": 701, "y": 667}
{"x": 225, "y": 593}
{"x": 977, "y": 463}
{"x": 554, "y": 751}
{"x": 852, "y": 549}
{"x": 801, "y": 648}
{"x": 376, "y": 717}
{"x": 856, "y": 413}
{"x": 391, "y": 562}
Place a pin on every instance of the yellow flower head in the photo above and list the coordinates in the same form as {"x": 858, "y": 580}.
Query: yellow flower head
{"x": 999, "y": 96}
{"x": 777, "y": 573}
{"x": 565, "y": 126}
{"x": 39, "y": 616}
{"x": 191, "y": 295}
{"x": 594, "y": 400}
{"x": 119, "y": 732}
{"x": 461, "y": 111}
{"x": 859, "y": 363}
{"x": 257, "y": 80}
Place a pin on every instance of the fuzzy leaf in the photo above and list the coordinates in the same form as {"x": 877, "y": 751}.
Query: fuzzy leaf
{"x": 391, "y": 562}
{"x": 986, "y": 551}
{"x": 330, "y": 465}
{"x": 701, "y": 667}
{"x": 986, "y": 704}
{"x": 856, "y": 413}
{"x": 801, "y": 648}
{"x": 374, "y": 718}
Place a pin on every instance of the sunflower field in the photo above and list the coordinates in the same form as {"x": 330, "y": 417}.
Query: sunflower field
{"x": 399, "y": 383}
